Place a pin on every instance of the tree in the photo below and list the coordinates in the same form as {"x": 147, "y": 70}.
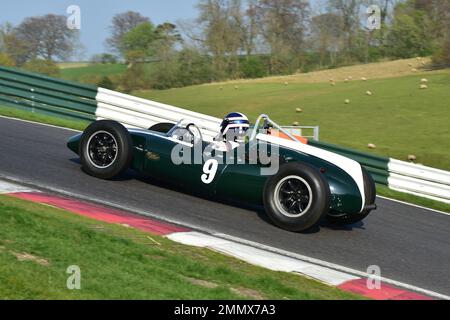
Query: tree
{"x": 104, "y": 58}
{"x": 439, "y": 13}
{"x": 410, "y": 33}
{"x": 376, "y": 40}
{"x": 121, "y": 24}
{"x": 6, "y": 60}
{"x": 283, "y": 24}
{"x": 348, "y": 11}
{"x": 193, "y": 66}
{"x": 4, "y": 29}
{"x": 250, "y": 29}
{"x": 385, "y": 6}
{"x": 106, "y": 83}
{"x": 165, "y": 75}
{"x": 166, "y": 37}
{"x": 253, "y": 67}
{"x": 46, "y": 67}
{"x": 222, "y": 34}
{"x": 442, "y": 56}
{"x": 47, "y": 37}
{"x": 140, "y": 39}
{"x": 325, "y": 37}
{"x": 12, "y": 46}
{"x": 135, "y": 78}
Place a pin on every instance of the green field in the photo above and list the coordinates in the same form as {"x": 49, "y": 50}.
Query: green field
{"x": 399, "y": 118}
{"x": 38, "y": 243}
{"x": 95, "y": 70}
{"x": 89, "y": 73}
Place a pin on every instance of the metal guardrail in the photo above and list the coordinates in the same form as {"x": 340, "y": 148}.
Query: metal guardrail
{"x": 39, "y": 93}
{"x": 419, "y": 180}
{"x": 399, "y": 175}
{"x": 141, "y": 113}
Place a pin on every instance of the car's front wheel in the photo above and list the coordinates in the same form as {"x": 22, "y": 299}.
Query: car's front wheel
{"x": 105, "y": 149}
{"x": 297, "y": 197}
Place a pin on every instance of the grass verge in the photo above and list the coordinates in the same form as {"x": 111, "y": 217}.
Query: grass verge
{"x": 38, "y": 243}
{"x": 409, "y": 198}
{"x": 41, "y": 118}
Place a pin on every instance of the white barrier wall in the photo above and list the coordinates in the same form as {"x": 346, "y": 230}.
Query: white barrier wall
{"x": 419, "y": 180}
{"x": 141, "y": 113}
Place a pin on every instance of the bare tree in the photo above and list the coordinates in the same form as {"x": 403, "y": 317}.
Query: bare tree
{"x": 167, "y": 36}
{"x": 386, "y": 6}
{"x": 325, "y": 36}
{"x": 249, "y": 28}
{"x": 222, "y": 33}
{"x": 6, "y": 29}
{"x": 439, "y": 13}
{"x": 283, "y": 24}
{"x": 47, "y": 37}
{"x": 349, "y": 11}
{"x": 121, "y": 24}
{"x": 12, "y": 46}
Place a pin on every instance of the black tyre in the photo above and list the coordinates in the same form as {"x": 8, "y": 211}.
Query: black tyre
{"x": 371, "y": 195}
{"x": 297, "y": 197}
{"x": 105, "y": 149}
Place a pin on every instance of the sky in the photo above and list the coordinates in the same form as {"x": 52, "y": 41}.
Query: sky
{"x": 96, "y": 15}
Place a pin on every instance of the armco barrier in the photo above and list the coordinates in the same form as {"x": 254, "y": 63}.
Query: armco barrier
{"x": 32, "y": 91}
{"x": 419, "y": 180}
{"x": 142, "y": 113}
{"x": 40, "y": 93}
{"x": 399, "y": 175}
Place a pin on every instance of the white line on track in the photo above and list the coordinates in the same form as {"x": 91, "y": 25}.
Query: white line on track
{"x": 414, "y": 205}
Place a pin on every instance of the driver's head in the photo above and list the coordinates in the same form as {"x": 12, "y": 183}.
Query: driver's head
{"x": 234, "y": 125}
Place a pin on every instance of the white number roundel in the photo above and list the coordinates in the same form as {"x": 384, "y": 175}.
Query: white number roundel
{"x": 210, "y": 170}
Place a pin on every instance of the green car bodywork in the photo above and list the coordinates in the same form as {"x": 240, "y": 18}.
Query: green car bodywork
{"x": 243, "y": 183}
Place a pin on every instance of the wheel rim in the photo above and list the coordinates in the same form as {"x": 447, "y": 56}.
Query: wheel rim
{"x": 102, "y": 149}
{"x": 293, "y": 196}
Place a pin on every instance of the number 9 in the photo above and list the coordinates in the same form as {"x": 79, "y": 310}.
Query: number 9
{"x": 210, "y": 170}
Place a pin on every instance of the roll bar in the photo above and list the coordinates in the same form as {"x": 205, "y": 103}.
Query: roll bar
{"x": 266, "y": 125}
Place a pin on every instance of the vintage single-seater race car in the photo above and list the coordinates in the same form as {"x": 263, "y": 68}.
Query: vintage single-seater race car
{"x": 308, "y": 185}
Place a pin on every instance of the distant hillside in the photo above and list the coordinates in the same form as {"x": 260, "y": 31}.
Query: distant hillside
{"x": 379, "y": 70}
{"x": 91, "y": 73}
{"x": 71, "y": 65}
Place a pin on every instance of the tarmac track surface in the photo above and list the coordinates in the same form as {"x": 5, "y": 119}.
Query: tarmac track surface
{"x": 409, "y": 244}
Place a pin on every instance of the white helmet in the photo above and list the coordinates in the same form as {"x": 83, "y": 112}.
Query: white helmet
{"x": 235, "y": 124}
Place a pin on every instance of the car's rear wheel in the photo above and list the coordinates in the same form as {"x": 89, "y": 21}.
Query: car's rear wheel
{"x": 297, "y": 197}
{"x": 370, "y": 198}
{"x": 105, "y": 149}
